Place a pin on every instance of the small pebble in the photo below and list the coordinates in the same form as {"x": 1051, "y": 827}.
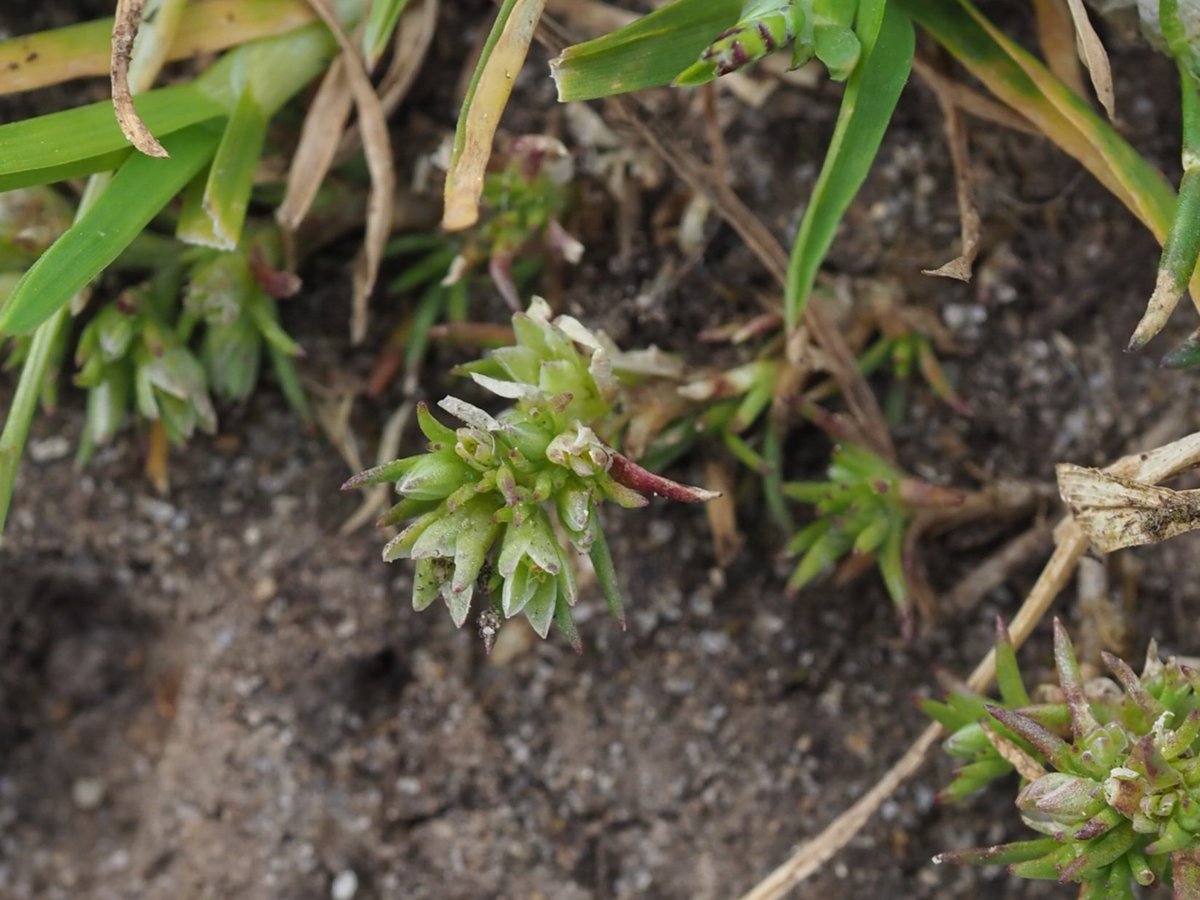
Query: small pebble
{"x": 49, "y": 449}
{"x": 264, "y": 589}
{"x": 88, "y": 793}
{"x": 345, "y": 885}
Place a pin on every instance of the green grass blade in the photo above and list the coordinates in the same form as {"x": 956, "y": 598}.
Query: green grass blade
{"x": 870, "y": 98}
{"x": 1181, "y": 249}
{"x": 273, "y": 69}
{"x": 22, "y": 408}
{"x": 87, "y": 139}
{"x": 195, "y": 226}
{"x": 424, "y": 318}
{"x": 649, "y": 52}
{"x": 141, "y": 188}
{"x": 290, "y": 384}
{"x": 221, "y": 212}
{"x": 80, "y": 168}
{"x": 381, "y": 22}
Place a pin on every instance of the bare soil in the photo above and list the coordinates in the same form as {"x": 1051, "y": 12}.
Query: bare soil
{"x": 215, "y": 694}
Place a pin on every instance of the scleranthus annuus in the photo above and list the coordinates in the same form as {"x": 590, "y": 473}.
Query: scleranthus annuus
{"x": 1110, "y": 776}
{"x": 497, "y": 505}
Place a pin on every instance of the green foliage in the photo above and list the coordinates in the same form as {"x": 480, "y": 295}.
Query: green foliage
{"x": 485, "y": 502}
{"x": 820, "y": 28}
{"x": 871, "y": 94}
{"x": 865, "y": 506}
{"x": 217, "y": 119}
{"x": 214, "y": 129}
{"x": 165, "y": 357}
{"x": 901, "y": 353}
{"x": 868, "y": 44}
{"x": 140, "y": 189}
{"x": 649, "y": 52}
{"x": 517, "y": 231}
{"x": 1110, "y": 777}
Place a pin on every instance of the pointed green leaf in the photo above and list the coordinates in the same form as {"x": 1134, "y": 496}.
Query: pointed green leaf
{"x": 867, "y": 105}
{"x": 649, "y": 52}
{"x": 88, "y": 139}
{"x": 141, "y": 187}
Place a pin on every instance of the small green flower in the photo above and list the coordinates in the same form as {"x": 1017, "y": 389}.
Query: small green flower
{"x": 486, "y": 502}
{"x": 1111, "y": 777}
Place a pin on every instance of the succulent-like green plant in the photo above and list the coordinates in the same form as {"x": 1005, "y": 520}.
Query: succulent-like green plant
{"x": 486, "y": 502}
{"x": 865, "y": 506}
{"x": 1110, "y": 776}
{"x": 963, "y": 713}
{"x": 522, "y": 202}
{"x": 165, "y": 357}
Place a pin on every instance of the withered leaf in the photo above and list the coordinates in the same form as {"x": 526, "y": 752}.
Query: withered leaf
{"x": 1117, "y": 512}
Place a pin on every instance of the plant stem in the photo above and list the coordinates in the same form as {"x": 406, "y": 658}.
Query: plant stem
{"x": 33, "y": 376}
{"x": 24, "y": 404}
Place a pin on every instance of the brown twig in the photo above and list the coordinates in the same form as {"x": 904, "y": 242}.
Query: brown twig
{"x": 126, "y": 20}
{"x": 969, "y": 223}
{"x": 377, "y": 146}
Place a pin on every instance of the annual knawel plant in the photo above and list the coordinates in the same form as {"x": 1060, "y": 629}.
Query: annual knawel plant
{"x": 518, "y": 232}
{"x": 498, "y": 507}
{"x": 863, "y": 508}
{"x": 1110, "y": 771}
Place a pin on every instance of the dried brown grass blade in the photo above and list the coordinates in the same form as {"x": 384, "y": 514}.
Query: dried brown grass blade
{"x": 815, "y": 853}
{"x": 1094, "y": 56}
{"x": 376, "y": 498}
{"x": 1056, "y": 35}
{"x": 126, "y": 19}
{"x": 377, "y": 146}
{"x": 414, "y": 36}
{"x": 969, "y": 223}
{"x": 319, "y": 137}
{"x": 721, "y": 511}
{"x": 591, "y": 17}
{"x": 464, "y": 180}
{"x": 971, "y": 101}
{"x": 763, "y": 244}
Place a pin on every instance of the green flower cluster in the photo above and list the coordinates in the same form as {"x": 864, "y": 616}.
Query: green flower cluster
{"x": 166, "y": 359}
{"x": 1111, "y": 777}
{"x": 128, "y": 354}
{"x": 486, "y": 502}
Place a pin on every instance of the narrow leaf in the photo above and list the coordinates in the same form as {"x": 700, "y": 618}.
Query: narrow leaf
{"x": 381, "y": 22}
{"x": 140, "y": 188}
{"x": 870, "y": 98}
{"x": 650, "y": 52}
{"x": 87, "y": 139}
{"x": 226, "y": 196}
{"x": 487, "y": 95}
